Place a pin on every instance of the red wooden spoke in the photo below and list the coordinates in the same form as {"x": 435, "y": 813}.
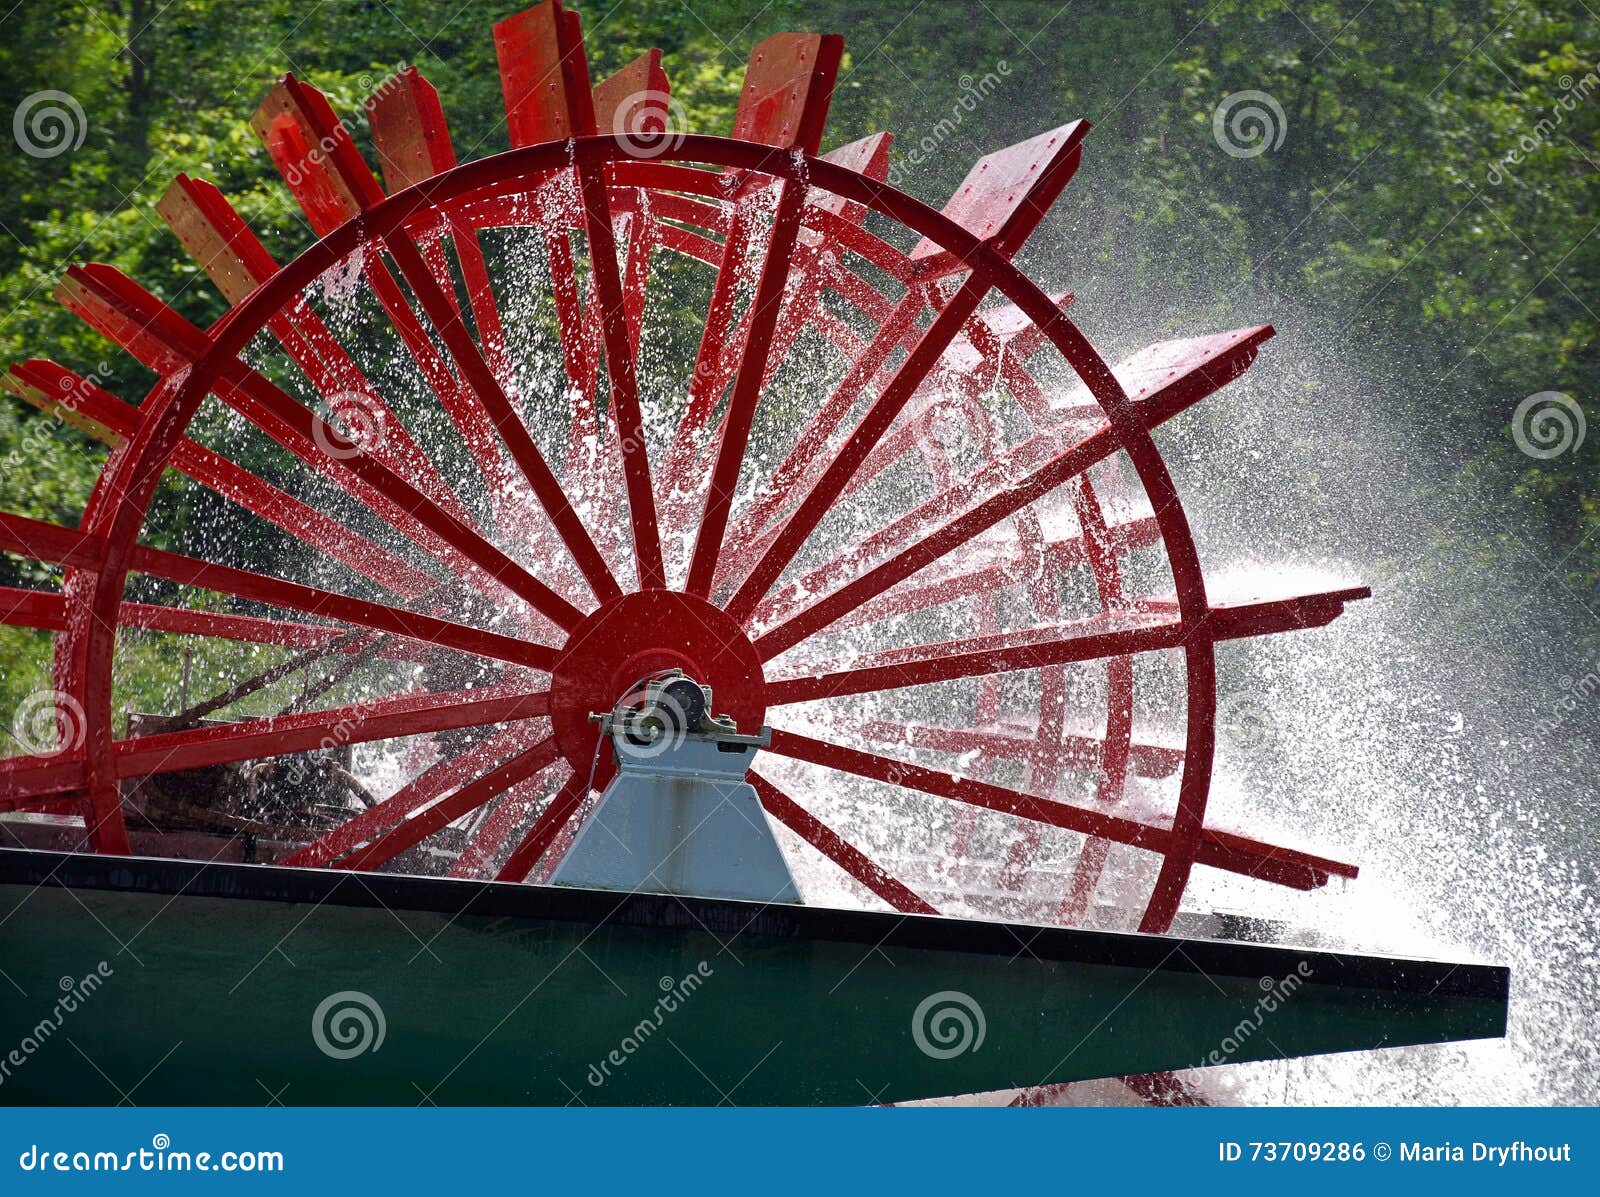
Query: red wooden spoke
{"x": 46, "y": 610}
{"x": 497, "y": 404}
{"x": 236, "y": 261}
{"x": 385, "y": 719}
{"x": 1117, "y": 750}
{"x": 545, "y": 76}
{"x": 1047, "y": 560}
{"x": 119, "y": 307}
{"x": 766, "y": 305}
{"x": 1000, "y": 742}
{"x": 825, "y": 840}
{"x": 438, "y": 779}
{"x": 1222, "y": 850}
{"x": 701, "y": 398}
{"x": 100, "y": 414}
{"x": 490, "y": 836}
{"x": 813, "y": 439}
{"x": 313, "y": 151}
{"x": 1198, "y": 368}
{"x": 244, "y": 584}
{"x": 556, "y": 814}
{"x": 563, "y": 841}
{"x": 441, "y": 814}
{"x": 1109, "y": 635}
{"x": 578, "y": 347}
{"x": 912, "y": 432}
{"x": 620, "y": 370}
{"x": 803, "y": 520}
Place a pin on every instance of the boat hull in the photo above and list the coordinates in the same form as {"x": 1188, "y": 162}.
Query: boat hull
{"x": 222, "y": 984}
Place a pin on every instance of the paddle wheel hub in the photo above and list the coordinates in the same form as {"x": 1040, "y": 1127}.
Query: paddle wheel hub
{"x": 635, "y": 636}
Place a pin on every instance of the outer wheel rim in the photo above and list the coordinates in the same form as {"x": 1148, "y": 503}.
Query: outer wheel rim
{"x": 122, "y": 500}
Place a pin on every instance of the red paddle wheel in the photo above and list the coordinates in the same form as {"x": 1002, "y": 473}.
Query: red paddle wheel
{"x": 513, "y": 433}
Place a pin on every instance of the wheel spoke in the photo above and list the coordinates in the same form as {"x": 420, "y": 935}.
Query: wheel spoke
{"x": 503, "y": 416}
{"x": 556, "y": 814}
{"x": 766, "y": 305}
{"x": 468, "y": 798}
{"x": 1221, "y": 850}
{"x": 1049, "y": 559}
{"x": 1156, "y": 625}
{"x": 825, "y": 840}
{"x": 243, "y": 584}
{"x": 110, "y": 420}
{"x": 438, "y": 779}
{"x": 1072, "y": 750}
{"x": 812, "y": 441}
{"x": 621, "y": 372}
{"x": 386, "y": 719}
{"x": 1086, "y": 640}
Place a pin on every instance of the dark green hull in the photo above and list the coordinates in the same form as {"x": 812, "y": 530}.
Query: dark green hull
{"x": 509, "y": 994}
